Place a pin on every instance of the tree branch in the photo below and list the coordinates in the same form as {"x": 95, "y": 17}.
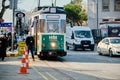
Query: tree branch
{"x": 3, "y": 8}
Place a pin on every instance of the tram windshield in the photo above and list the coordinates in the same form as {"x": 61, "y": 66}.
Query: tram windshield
{"x": 53, "y": 27}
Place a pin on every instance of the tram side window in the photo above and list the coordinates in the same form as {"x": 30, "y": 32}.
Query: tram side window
{"x": 63, "y": 26}
{"x": 42, "y": 25}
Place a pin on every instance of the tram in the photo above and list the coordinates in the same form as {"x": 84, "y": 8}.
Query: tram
{"x": 48, "y": 27}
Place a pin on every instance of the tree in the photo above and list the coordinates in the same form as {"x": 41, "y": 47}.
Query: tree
{"x": 75, "y": 14}
{"x": 82, "y": 17}
{"x": 4, "y": 7}
{"x": 72, "y": 12}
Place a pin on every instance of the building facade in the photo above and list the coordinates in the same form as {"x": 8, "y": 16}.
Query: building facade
{"x": 100, "y": 11}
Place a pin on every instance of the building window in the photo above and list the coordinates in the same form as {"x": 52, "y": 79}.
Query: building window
{"x": 117, "y": 19}
{"x": 104, "y": 20}
{"x": 105, "y": 5}
{"x": 117, "y": 5}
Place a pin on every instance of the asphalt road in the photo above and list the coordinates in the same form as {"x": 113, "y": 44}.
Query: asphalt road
{"x": 77, "y": 65}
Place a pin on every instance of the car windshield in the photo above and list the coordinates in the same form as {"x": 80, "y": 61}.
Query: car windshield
{"x": 115, "y": 41}
{"x": 82, "y": 34}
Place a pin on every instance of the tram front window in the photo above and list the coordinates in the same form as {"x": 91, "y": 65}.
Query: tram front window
{"x": 52, "y": 27}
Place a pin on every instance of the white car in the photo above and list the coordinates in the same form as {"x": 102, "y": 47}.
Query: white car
{"x": 109, "y": 46}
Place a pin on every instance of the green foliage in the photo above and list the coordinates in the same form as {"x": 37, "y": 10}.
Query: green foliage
{"x": 75, "y": 14}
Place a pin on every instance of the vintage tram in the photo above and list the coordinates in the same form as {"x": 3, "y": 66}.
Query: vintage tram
{"x": 48, "y": 26}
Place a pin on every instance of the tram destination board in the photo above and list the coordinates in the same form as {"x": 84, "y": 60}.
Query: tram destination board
{"x": 5, "y": 24}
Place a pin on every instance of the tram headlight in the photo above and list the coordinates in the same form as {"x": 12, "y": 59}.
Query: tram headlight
{"x": 53, "y": 44}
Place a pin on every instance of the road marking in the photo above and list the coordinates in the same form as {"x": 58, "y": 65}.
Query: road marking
{"x": 52, "y": 76}
{"x": 40, "y": 73}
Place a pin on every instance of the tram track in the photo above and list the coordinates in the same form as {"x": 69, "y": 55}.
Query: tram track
{"x": 58, "y": 70}
{"x": 52, "y": 70}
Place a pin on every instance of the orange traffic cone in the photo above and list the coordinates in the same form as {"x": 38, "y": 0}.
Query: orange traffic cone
{"x": 25, "y": 49}
{"x": 27, "y": 64}
{"x": 23, "y": 59}
{"x": 23, "y": 69}
{"x": 27, "y": 61}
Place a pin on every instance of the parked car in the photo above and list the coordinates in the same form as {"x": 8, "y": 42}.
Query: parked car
{"x": 109, "y": 46}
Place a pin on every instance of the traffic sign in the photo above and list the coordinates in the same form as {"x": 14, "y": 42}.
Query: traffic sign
{"x": 5, "y": 24}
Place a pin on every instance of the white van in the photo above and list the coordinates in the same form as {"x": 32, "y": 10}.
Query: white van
{"x": 79, "y": 37}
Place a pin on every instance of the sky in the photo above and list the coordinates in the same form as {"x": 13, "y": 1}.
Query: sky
{"x": 29, "y": 5}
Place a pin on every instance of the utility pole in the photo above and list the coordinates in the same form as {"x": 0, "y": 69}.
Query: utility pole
{"x": 71, "y": 1}
{"x": 13, "y": 7}
{"x": 55, "y": 2}
{"x": 97, "y": 19}
{"x": 38, "y": 3}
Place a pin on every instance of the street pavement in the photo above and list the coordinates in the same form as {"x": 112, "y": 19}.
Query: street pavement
{"x": 86, "y": 66}
{"x": 10, "y": 69}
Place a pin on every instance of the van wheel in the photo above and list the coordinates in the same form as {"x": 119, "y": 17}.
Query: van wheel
{"x": 74, "y": 47}
{"x": 67, "y": 46}
{"x": 92, "y": 49}
{"x": 83, "y": 49}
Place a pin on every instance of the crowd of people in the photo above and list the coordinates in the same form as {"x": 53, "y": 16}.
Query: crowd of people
{"x": 6, "y": 43}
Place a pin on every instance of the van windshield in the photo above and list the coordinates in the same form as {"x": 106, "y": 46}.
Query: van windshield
{"x": 83, "y": 34}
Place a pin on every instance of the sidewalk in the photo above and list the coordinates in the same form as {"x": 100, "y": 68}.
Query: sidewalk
{"x": 9, "y": 70}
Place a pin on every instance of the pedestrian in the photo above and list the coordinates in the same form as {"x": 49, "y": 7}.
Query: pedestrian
{"x": 3, "y": 47}
{"x": 9, "y": 41}
{"x": 30, "y": 44}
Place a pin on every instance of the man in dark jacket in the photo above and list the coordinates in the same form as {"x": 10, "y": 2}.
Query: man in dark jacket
{"x": 3, "y": 46}
{"x": 30, "y": 44}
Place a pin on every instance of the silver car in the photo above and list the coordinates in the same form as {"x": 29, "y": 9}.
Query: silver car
{"x": 109, "y": 46}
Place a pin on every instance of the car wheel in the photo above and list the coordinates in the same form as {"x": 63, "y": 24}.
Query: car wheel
{"x": 110, "y": 53}
{"x": 99, "y": 51}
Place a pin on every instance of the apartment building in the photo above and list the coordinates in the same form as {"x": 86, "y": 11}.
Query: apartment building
{"x": 100, "y": 11}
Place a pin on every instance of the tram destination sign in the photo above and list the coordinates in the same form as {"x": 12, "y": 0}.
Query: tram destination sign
{"x": 5, "y": 24}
